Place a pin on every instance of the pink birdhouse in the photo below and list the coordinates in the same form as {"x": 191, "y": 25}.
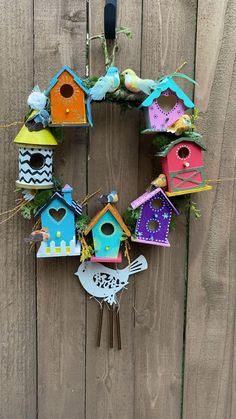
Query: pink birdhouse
{"x": 165, "y": 105}
{"x": 182, "y": 163}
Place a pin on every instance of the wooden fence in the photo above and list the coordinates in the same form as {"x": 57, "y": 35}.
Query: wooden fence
{"x": 178, "y": 319}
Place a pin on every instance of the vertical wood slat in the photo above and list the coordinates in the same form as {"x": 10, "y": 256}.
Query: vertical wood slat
{"x": 17, "y": 284}
{"x": 60, "y": 38}
{"x": 210, "y": 375}
{"x": 168, "y": 40}
{"x": 113, "y": 164}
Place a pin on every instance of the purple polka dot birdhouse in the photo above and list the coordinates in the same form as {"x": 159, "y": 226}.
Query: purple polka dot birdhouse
{"x": 165, "y": 105}
{"x": 154, "y": 218}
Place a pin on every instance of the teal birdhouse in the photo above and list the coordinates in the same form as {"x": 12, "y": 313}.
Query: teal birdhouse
{"x": 107, "y": 229}
{"x": 58, "y": 216}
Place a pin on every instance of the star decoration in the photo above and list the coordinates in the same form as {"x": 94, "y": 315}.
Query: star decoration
{"x": 165, "y": 215}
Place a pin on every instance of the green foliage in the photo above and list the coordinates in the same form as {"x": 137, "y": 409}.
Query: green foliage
{"x": 184, "y": 203}
{"x": 130, "y": 217}
{"x": 194, "y": 209}
{"x": 82, "y": 223}
{"x": 27, "y": 211}
{"x": 194, "y": 117}
{"x": 173, "y": 221}
{"x": 57, "y": 184}
{"x": 162, "y": 140}
{"x": 90, "y": 81}
{"x": 125, "y": 31}
{"x": 124, "y": 237}
{"x": 58, "y": 134}
{"x": 27, "y": 114}
{"x": 41, "y": 198}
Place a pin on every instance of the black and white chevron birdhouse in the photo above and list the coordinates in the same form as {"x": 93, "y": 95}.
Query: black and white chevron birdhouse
{"x": 35, "y": 158}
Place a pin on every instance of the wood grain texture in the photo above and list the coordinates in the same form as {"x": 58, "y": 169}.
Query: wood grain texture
{"x": 113, "y": 164}
{"x": 159, "y": 302}
{"x": 60, "y": 38}
{"x": 210, "y": 375}
{"x": 17, "y": 284}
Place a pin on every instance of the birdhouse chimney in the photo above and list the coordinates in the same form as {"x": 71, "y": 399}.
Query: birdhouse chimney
{"x": 67, "y": 193}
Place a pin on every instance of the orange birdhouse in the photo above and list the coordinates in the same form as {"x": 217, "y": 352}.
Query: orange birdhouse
{"x": 69, "y": 100}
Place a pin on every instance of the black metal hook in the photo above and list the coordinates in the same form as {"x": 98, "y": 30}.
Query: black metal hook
{"x": 110, "y": 19}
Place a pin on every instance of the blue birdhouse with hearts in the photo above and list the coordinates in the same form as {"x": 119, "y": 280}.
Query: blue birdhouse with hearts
{"x": 107, "y": 229}
{"x": 58, "y": 218}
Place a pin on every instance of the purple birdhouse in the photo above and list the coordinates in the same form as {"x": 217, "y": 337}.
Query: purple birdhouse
{"x": 165, "y": 105}
{"x": 154, "y": 219}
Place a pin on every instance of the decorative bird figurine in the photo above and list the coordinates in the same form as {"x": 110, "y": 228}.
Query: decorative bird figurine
{"x": 112, "y": 198}
{"x": 159, "y": 182}
{"x": 183, "y": 124}
{"x": 38, "y": 236}
{"x": 39, "y": 117}
{"x": 102, "y": 282}
{"x": 106, "y": 84}
{"x": 134, "y": 84}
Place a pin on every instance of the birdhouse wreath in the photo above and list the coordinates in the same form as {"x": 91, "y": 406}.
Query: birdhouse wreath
{"x": 61, "y": 227}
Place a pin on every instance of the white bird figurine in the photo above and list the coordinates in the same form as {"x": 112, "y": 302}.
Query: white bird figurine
{"x": 106, "y": 84}
{"x": 102, "y": 282}
{"x": 134, "y": 84}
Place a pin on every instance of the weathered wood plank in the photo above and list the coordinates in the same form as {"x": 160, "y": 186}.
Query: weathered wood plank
{"x": 210, "y": 376}
{"x": 60, "y": 38}
{"x": 113, "y": 164}
{"x": 168, "y": 40}
{"x": 17, "y": 285}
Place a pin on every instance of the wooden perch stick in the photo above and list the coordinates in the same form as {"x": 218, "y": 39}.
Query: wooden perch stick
{"x": 178, "y": 69}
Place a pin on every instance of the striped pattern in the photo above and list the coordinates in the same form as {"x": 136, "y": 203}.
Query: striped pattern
{"x": 30, "y": 176}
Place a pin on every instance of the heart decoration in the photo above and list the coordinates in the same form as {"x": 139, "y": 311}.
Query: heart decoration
{"x": 167, "y": 103}
{"x": 57, "y": 214}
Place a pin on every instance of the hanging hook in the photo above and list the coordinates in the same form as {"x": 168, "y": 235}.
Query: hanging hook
{"x": 110, "y": 19}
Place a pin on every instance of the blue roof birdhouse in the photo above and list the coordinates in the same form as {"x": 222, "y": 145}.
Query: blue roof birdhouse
{"x": 59, "y": 217}
{"x": 107, "y": 228}
{"x": 165, "y": 105}
{"x": 69, "y": 100}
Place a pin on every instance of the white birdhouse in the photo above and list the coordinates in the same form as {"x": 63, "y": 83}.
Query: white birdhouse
{"x": 35, "y": 158}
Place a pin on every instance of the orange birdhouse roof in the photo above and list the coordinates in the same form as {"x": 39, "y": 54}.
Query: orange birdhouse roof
{"x": 115, "y": 214}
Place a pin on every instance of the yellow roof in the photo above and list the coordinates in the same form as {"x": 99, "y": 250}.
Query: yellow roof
{"x": 39, "y": 138}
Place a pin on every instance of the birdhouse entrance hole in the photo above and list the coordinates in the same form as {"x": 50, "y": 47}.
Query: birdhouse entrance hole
{"x": 183, "y": 152}
{"x": 57, "y": 214}
{"x": 153, "y": 225}
{"x": 157, "y": 204}
{"x": 166, "y": 103}
{"x": 66, "y": 90}
{"x": 107, "y": 229}
{"x": 36, "y": 161}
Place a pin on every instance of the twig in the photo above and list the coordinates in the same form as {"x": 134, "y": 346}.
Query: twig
{"x": 11, "y": 124}
{"x": 178, "y": 69}
{"x": 17, "y": 209}
{"x": 88, "y": 197}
